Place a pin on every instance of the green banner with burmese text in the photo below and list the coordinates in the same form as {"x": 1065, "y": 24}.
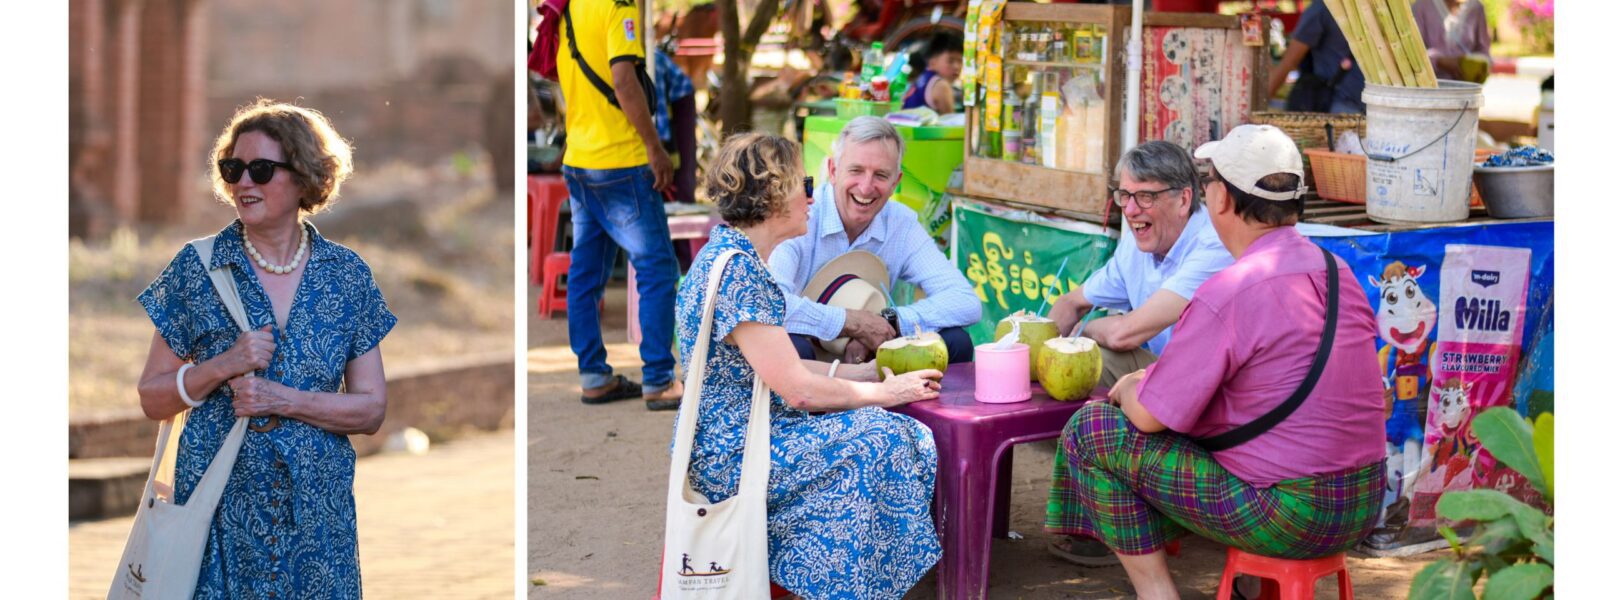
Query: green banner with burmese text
{"x": 1019, "y": 260}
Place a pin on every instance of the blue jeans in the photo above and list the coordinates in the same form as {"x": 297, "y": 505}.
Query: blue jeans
{"x": 612, "y": 208}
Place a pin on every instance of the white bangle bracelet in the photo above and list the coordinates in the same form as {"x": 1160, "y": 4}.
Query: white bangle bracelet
{"x": 833, "y": 369}
{"x": 182, "y": 391}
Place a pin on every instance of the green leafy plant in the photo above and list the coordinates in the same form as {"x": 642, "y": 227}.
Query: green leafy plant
{"x": 1513, "y": 544}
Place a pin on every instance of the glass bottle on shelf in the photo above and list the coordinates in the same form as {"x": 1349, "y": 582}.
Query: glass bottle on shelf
{"x": 1011, "y": 133}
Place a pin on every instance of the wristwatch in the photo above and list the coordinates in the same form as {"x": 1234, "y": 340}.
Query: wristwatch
{"x": 892, "y": 317}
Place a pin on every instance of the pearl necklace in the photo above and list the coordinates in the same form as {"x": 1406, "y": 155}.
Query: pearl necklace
{"x": 300, "y": 253}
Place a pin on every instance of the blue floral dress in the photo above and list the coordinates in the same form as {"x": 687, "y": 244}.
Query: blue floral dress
{"x": 286, "y": 525}
{"x": 848, "y": 500}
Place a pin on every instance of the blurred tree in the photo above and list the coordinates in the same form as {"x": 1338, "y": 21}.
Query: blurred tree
{"x": 737, "y": 47}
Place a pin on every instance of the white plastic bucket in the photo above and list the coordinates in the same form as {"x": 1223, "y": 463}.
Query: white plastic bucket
{"x": 1419, "y": 151}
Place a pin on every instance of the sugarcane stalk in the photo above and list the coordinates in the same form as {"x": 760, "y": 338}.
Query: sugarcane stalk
{"x": 1368, "y": 64}
{"x": 1411, "y": 39}
{"x": 1369, "y": 21}
{"x": 1352, "y": 12}
{"x": 1391, "y": 40}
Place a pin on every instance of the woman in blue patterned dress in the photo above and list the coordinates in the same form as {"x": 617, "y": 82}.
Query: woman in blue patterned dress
{"x": 849, "y": 494}
{"x": 308, "y": 374}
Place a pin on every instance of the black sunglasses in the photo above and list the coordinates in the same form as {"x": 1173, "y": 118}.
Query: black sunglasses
{"x": 260, "y": 169}
{"x": 808, "y": 187}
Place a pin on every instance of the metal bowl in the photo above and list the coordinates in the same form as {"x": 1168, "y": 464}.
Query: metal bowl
{"x": 1517, "y": 192}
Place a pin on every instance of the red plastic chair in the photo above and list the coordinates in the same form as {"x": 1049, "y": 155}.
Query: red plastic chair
{"x": 1283, "y": 578}
{"x": 553, "y": 297}
{"x": 545, "y": 195}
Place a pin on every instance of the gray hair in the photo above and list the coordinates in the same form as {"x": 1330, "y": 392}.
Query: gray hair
{"x": 1161, "y": 161}
{"x": 868, "y": 128}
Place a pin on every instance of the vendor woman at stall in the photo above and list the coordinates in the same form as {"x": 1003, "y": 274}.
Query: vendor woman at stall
{"x": 935, "y": 86}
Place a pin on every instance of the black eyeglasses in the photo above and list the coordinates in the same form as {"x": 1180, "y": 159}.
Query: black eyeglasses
{"x": 1145, "y": 200}
{"x": 808, "y": 187}
{"x": 261, "y": 169}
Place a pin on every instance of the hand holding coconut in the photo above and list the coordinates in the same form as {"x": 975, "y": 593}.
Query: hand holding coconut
{"x": 911, "y": 387}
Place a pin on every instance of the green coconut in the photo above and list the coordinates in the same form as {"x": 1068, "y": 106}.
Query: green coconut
{"x": 913, "y": 353}
{"x": 1069, "y": 367}
{"x": 1035, "y": 331}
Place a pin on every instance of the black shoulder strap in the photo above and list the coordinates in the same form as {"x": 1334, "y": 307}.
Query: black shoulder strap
{"x": 593, "y": 77}
{"x": 1261, "y": 424}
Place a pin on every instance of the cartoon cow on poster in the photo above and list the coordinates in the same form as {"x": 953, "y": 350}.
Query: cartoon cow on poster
{"x": 1452, "y": 445}
{"x": 1406, "y": 317}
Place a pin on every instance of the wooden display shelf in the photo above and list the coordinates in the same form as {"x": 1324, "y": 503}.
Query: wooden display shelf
{"x": 1076, "y": 193}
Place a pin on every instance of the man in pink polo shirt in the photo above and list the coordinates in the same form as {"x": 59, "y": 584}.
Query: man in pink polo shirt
{"x": 1170, "y": 453}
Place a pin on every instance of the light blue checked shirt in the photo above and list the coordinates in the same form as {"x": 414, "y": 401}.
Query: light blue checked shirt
{"x": 1132, "y": 276}
{"x": 671, "y": 85}
{"x": 898, "y": 238}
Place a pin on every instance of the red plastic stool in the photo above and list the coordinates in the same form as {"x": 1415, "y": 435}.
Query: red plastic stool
{"x": 1283, "y": 578}
{"x": 553, "y": 297}
{"x": 545, "y": 195}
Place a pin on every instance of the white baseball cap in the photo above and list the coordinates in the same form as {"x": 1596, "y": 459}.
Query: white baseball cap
{"x": 1251, "y": 152}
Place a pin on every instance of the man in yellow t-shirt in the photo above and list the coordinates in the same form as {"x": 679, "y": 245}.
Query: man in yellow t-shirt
{"x": 615, "y": 169}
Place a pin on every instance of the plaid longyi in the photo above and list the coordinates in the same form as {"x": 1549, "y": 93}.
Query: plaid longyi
{"x": 1136, "y": 491}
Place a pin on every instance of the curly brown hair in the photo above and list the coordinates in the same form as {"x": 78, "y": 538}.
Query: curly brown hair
{"x": 752, "y": 177}
{"x": 321, "y": 158}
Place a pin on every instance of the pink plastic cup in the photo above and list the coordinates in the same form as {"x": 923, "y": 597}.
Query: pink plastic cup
{"x": 1001, "y": 374}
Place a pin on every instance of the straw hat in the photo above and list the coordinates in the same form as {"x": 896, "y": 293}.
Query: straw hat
{"x": 853, "y": 280}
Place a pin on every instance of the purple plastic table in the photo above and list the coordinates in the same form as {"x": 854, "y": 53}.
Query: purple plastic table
{"x": 972, "y": 498}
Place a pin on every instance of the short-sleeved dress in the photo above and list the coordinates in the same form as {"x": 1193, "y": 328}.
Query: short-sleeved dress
{"x": 849, "y": 497}
{"x": 286, "y": 524}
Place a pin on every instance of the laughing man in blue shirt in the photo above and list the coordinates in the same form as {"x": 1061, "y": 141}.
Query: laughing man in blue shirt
{"x": 853, "y": 212}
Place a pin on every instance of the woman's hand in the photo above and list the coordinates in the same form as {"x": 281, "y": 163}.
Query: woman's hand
{"x": 911, "y": 387}
{"x": 259, "y": 397}
{"x": 252, "y": 351}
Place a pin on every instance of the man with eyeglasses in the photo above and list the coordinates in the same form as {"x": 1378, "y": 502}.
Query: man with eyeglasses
{"x": 853, "y": 213}
{"x": 1261, "y": 427}
{"x": 1167, "y": 249}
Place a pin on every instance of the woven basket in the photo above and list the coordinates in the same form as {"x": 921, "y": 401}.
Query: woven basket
{"x": 1306, "y": 128}
{"x": 1341, "y": 177}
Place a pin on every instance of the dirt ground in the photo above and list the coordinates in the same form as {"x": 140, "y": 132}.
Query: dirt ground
{"x": 597, "y": 479}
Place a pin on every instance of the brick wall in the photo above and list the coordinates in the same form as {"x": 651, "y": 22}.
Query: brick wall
{"x": 153, "y": 80}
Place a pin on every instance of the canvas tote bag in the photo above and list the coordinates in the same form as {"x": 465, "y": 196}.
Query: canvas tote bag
{"x": 162, "y": 556}
{"x": 717, "y": 551}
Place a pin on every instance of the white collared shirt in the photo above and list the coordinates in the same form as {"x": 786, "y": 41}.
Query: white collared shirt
{"x": 1128, "y": 280}
{"x": 895, "y": 236}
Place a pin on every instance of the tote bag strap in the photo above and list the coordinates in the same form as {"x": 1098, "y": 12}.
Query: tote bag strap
{"x": 1272, "y": 418}
{"x": 211, "y": 484}
{"x": 757, "y": 451}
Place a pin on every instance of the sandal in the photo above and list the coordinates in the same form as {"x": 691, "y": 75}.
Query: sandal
{"x": 664, "y": 402}
{"x": 1084, "y": 552}
{"x": 623, "y": 390}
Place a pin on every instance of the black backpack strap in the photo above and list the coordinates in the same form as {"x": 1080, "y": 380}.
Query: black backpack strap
{"x": 1261, "y": 424}
{"x": 594, "y": 78}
